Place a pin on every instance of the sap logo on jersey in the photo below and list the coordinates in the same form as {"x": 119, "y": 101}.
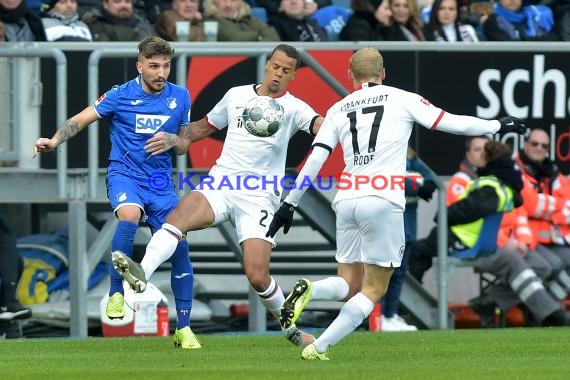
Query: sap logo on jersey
{"x": 150, "y": 123}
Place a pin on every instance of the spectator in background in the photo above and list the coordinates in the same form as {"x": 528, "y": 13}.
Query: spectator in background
{"x": 147, "y": 9}
{"x": 444, "y": 24}
{"x": 236, "y": 22}
{"x": 419, "y": 185}
{"x": 2, "y": 29}
{"x": 511, "y": 21}
{"x": 407, "y": 18}
{"x": 21, "y": 24}
{"x": 371, "y": 20}
{"x": 116, "y": 21}
{"x": 541, "y": 179}
{"x": 10, "y": 270}
{"x": 473, "y": 161}
{"x": 499, "y": 192}
{"x": 61, "y": 22}
{"x": 272, "y": 6}
{"x": 292, "y": 24}
{"x": 182, "y": 10}
{"x": 514, "y": 244}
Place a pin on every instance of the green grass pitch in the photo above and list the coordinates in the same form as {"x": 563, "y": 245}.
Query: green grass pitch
{"x": 460, "y": 354}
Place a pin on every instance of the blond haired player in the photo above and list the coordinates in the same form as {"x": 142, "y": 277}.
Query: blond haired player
{"x": 373, "y": 125}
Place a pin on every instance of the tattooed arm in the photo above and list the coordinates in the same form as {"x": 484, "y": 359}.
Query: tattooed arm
{"x": 66, "y": 131}
{"x": 163, "y": 141}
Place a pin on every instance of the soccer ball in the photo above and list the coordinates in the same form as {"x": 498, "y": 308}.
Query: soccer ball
{"x": 262, "y": 116}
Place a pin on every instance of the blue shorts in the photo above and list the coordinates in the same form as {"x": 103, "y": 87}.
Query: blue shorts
{"x": 124, "y": 189}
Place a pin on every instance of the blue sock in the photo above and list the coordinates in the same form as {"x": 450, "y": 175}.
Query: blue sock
{"x": 182, "y": 282}
{"x": 123, "y": 241}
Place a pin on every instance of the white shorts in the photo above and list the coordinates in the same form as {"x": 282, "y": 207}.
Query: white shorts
{"x": 250, "y": 213}
{"x": 369, "y": 230}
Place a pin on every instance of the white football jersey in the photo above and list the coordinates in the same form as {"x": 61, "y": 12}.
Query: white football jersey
{"x": 373, "y": 126}
{"x": 256, "y": 162}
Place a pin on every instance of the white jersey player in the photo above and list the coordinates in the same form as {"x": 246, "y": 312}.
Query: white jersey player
{"x": 261, "y": 159}
{"x": 224, "y": 196}
{"x": 373, "y": 125}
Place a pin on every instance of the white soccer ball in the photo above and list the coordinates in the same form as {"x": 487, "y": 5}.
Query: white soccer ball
{"x": 262, "y": 116}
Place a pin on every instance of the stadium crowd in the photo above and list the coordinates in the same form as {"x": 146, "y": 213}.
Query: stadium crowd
{"x": 287, "y": 20}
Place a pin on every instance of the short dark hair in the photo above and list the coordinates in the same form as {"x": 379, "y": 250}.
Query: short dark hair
{"x": 470, "y": 139}
{"x": 290, "y": 51}
{"x": 152, "y": 46}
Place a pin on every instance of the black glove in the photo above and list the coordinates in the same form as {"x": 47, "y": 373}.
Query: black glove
{"x": 512, "y": 124}
{"x": 426, "y": 190}
{"x": 283, "y": 217}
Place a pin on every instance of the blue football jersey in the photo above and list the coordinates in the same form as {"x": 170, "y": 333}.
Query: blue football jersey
{"x": 135, "y": 116}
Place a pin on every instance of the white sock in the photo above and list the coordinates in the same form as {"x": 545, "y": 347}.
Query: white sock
{"x": 272, "y": 298}
{"x": 350, "y": 317}
{"x": 173, "y": 229}
{"x": 330, "y": 289}
{"x": 159, "y": 249}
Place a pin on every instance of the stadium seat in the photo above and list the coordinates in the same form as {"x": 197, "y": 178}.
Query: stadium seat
{"x": 260, "y": 13}
{"x": 486, "y": 245}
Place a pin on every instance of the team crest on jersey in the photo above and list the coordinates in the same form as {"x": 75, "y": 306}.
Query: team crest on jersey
{"x": 101, "y": 98}
{"x": 401, "y": 252}
{"x": 425, "y": 101}
{"x": 171, "y": 103}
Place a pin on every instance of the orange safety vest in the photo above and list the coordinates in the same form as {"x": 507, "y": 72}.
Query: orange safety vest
{"x": 514, "y": 225}
{"x": 539, "y": 204}
{"x": 561, "y": 217}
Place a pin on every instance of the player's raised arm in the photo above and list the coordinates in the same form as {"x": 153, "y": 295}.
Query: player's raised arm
{"x": 66, "y": 131}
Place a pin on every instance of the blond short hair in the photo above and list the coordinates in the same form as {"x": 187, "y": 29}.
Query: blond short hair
{"x": 366, "y": 63}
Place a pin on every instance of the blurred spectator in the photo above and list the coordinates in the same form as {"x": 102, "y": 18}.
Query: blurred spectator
{"x": 115, "y": 21}
{"x": 514, "y": 239}
{"x": 2, "y": 35}
{"x": 407, "y": 18}
{"x": 541, "y": 178}
{"x": 21, "y": 24}
{"x": 444, "y": 24}
{"x": 419, "y": 185}
{"x": 473, "y": 13}
{"x": 511, "y": 21}
{"x": 10, "y": 270}
{"x": 272, "y": 6}
{"x": 236, "y": 22}
{"x": 292, "y": 24}
{"x": 371, "y": 20}
{"x": 473, "y": 161}
{"x": 499, "y": 192}
{"x": 147, "y": 9}
{"x": 61, "y": 22}
{"x": 182, "y": 10}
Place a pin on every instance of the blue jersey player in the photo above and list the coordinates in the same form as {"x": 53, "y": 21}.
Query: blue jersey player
{"x": 148, "y": 117}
